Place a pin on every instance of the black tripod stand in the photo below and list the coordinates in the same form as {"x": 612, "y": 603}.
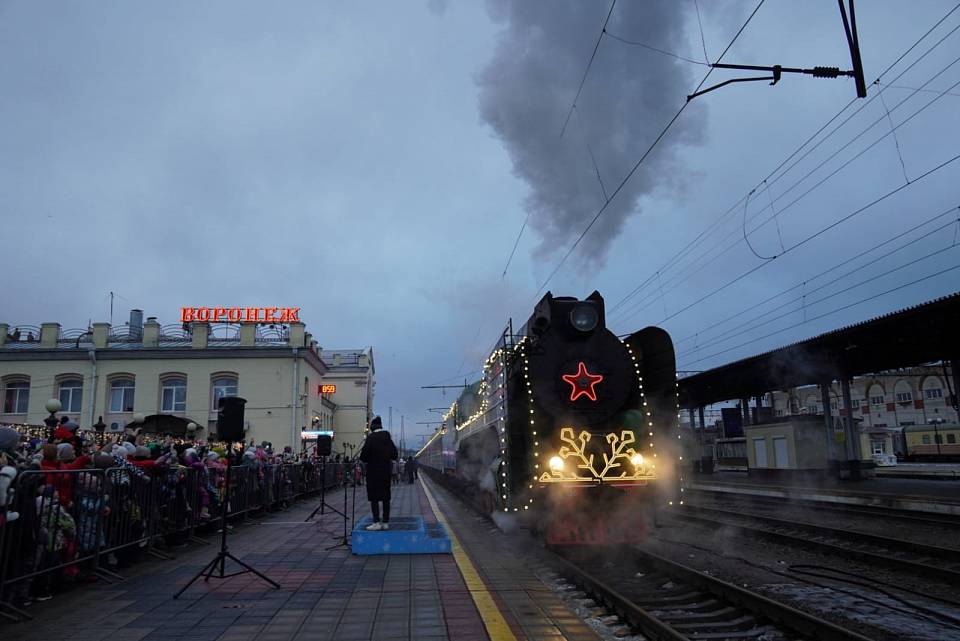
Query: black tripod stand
{"x": 344, "y": 541}
{"x": 219, "y": 561}
{"x": 323, "y": 495}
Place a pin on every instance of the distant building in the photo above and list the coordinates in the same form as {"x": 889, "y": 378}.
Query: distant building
{"x": 175, "y": 374}
{"x": 352, "y": 372}
{"x": 881, "y": 403}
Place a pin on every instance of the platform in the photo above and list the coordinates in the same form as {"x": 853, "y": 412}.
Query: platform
{"x": 483, "y": 590}
{"x": 407, "y": 535}
{"x": 922, "y": 495}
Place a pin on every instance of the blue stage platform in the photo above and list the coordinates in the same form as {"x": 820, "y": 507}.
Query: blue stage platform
{"x": 407, "y": 535}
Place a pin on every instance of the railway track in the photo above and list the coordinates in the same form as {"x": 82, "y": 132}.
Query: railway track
{"x": 746, "y": 500}
{"x": 668, "y": 601}
{"x": 922, "y": 560}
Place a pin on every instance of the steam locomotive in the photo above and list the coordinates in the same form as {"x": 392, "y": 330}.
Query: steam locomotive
{"x": 570, "y": 429}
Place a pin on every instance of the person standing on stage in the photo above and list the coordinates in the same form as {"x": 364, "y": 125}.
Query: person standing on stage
{"x": 378, "y": 453}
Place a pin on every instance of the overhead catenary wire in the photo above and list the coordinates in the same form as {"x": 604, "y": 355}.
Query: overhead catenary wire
{"x": 753, "y": 341}
{"x": 664, "y": 52}
{"x": 644, "y": 156}
{"x": 772, "y": 177}
{"x": 815, "y": 235}
{"x": 747, "y": 327}
{"x": 692, "y": 269}
{"x": 587, "y": 70}
{"x": 725, "y": 320}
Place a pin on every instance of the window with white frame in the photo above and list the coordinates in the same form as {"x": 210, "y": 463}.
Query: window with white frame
{"x": 904, "y": 397}
{"x": 876, "y": 400}
{"x": 855, "y": 402}
{"x": 71, "y": 394}
{"x": 121, "y": 395}
{"x": 877, "y": 446}
{"x": 932, "y": 393}
{"x": 16, "y": 397}
{"x": 173, "y": 395}
{"x": 223, "y": 386}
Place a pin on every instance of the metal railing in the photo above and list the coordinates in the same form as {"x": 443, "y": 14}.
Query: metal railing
{"x": 77, "y": 524}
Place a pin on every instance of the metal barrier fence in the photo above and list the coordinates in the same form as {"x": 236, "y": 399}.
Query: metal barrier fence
{"x": 75, "y": 524}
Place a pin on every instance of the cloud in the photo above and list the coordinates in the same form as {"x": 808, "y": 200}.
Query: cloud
{"x": 526, "y": 91}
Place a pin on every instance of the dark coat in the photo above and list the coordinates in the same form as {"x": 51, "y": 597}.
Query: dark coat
{"x": 378, "y": 453}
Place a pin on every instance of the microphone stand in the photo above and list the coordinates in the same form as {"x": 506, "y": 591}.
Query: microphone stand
{"x": 323, "y": 494}
{"x": 344, "y": 541}
{"x": 219, "y": 562}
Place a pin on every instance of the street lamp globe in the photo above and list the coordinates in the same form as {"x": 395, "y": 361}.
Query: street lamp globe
{"x": 53, "y": 406}
{"x": 191, "y": 427}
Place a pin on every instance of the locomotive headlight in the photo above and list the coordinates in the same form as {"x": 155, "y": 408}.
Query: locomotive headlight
{"x": 584, "y": 318}
{"x": 556, "y": 464}
{"x": 637, "y": 460}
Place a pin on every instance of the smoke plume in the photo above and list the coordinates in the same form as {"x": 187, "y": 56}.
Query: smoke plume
{"x": 629, "y": 95}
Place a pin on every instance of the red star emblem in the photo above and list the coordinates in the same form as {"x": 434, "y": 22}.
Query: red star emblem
{"x": 583, "y": 383}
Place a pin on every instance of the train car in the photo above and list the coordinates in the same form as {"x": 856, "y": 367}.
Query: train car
{"x": 933, "y": 442}
{"x": 571, "y": 429}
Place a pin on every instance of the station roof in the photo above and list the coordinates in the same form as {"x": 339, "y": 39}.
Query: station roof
{"x": 920, "y": 334}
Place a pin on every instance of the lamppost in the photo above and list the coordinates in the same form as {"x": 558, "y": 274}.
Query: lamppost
{"x": 192, "y": 429}
{"x": 53, "y": 406}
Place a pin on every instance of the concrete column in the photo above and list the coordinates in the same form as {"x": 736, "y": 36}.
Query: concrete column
{"x": 151, "y": 333}
{"x": 49, "y": 334}
{"x": 827, "y": 419}
{"x": 101, "y": 333}
{"x": 297, "y": 334}
{"x": 248, "y": 334}
{"x": 201, "y": 335}
{"x": 849, "y": 428}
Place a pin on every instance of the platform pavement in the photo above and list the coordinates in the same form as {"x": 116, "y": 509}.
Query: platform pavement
{"x": 324, "y": 595}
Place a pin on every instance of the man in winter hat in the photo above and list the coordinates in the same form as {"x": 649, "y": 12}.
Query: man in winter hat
{"x": 378, "y": 453}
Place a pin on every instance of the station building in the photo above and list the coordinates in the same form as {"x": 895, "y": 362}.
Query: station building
{"x": 173, "y": 375}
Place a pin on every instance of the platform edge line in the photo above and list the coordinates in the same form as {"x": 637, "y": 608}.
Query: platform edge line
{"x": 497, "y": 627}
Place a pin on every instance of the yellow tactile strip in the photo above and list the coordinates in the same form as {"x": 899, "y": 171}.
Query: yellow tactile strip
{"x": 493, "y": 620}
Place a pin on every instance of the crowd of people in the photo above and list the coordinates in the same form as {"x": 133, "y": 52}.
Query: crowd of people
{"x": 76, "y": 501}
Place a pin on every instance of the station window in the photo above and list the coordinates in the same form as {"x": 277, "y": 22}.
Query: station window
{"x": 173, "y": 395}
{"x": 855, "y": 402}
{"x": 876, "y": 400}
{"x": 904, "y": 397}
{"x": 926, "y": 439}
{"x": 951, "y": 438}
{"x": 223, "y": 386}
{"x": 16, "y": 397}
{"x": 934, "y": 392}
{"x": 71, "y": 395}
{"x": 121, "y": 395}
{"x": 877, "y": 447}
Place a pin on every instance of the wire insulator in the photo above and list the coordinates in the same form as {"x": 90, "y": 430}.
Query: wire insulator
{"x": 826, "y": 72}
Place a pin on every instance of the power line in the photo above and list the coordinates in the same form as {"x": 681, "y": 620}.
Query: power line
{"x": 680, "y": 278}
{"x": 829, "y": 313}
{"x": 655, "y": 49}
{"x": 515, "y": 244}
{"x": 743, "y": 329}
{"x": 815, "y": 235}
{"x": 652, "y": 146}
{"x": 587, "y": 70}
{"x": 770, "y": 180}
{"x": 831, "y": 269}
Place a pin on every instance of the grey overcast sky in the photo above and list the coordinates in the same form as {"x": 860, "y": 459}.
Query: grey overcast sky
{"x": 374, "y": 162}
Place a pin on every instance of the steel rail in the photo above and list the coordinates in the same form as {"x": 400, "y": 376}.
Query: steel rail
{"x": 929, "y": 518}
{"x": 785, "y": 615}
{"x": 916, "y": 567}
{"x": 922, "y": 549}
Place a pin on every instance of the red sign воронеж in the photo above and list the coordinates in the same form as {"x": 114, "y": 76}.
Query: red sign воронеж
{"x": 240, "y": 314}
